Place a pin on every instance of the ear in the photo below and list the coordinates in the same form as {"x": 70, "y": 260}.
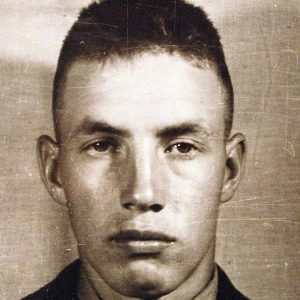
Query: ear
{"x": 236, "y": 154}
{"x": 48, "y": 151}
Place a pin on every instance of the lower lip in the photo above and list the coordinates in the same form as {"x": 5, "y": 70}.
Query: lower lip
{"x": 144, "y": 247}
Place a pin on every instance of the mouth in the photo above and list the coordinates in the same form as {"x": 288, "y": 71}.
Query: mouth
{"x": 142, "y": 242}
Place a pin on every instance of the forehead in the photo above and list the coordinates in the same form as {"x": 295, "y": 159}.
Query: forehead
{"x": 152, "y": 90}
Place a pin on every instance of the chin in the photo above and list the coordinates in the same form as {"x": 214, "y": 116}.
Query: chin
{"x": 147, "y": 280}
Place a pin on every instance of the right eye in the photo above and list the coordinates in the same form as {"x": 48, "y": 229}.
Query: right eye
{"x": 100, "y": 148}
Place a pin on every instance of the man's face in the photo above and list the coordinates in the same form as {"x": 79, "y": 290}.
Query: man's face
{"x": 142, "y": 163}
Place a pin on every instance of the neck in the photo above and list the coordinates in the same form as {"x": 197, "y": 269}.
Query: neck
{"x": 200, "y": 285}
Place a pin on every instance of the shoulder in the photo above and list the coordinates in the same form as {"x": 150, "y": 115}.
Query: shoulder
{"x": 226, "y": 290}
{"x": 64, "y": 286}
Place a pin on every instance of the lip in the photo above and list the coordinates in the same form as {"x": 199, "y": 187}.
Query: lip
{"x": 142, "y": 242}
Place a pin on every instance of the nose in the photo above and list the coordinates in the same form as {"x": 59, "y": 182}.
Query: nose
{"x": 141, "y": 193}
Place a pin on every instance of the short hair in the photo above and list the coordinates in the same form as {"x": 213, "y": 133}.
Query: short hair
{"x": 125, "y": 28}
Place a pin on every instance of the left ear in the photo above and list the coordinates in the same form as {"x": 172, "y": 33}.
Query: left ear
{"x": 236, "y": 154}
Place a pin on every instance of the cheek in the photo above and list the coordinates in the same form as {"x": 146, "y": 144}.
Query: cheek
{"x": 194, "y": 199}
{"x": 93, "y": 204}
{"x": 194, "y": 206}
{"x": 92, "y": 191}
{"x": 87, "y": 177}
{"x": 197, "y": 180}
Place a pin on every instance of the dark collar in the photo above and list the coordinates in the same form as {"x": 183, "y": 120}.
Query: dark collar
{"x": 226, "y": 290}
{"x": 64, "y": 286}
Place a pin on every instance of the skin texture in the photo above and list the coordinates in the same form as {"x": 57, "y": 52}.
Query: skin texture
{"x": 142, "y": 148}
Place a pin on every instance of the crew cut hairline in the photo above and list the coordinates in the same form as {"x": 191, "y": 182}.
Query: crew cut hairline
{"x": 125, "y": 28}
{"x": 202, "y": 64}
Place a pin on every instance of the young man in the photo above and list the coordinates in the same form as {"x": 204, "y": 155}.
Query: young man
{"x": 143, "y": 157}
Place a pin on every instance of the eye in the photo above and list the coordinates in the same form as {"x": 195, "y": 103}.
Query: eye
{"x": 184, "y": 147}
{"x": 181, "y": 148}
{"x": 102, "y": 146}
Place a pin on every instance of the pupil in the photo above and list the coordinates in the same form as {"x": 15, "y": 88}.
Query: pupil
{"x": 184, "y": 148}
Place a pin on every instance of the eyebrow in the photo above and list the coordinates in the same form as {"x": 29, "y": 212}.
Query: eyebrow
{"x": 90, "y": 127}
{"x": 184, "y": 128}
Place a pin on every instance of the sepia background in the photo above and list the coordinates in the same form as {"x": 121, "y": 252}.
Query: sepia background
{"x": 258, "y": 238}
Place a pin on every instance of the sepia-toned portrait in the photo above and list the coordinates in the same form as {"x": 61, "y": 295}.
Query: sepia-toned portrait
{"x": 150, "y": 149}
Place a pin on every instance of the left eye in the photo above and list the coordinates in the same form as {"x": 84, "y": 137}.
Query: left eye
{"x": 183, "y": 148}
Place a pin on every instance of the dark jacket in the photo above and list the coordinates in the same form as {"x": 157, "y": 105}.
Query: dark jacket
{"x": 64, "y": 286}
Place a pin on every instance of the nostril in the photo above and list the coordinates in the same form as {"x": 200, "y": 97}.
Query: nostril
{"x": 156, "y": 207}
{"x": 128, "y": 205}
{"x": 142, "y": 206}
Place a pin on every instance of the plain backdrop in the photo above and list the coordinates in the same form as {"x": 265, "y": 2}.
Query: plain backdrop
{"x": 258, "y": 238}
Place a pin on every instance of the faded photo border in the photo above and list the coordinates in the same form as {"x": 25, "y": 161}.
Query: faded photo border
{"x": 258, "y": 236}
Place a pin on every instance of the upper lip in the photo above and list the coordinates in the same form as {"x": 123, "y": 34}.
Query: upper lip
{"x": 137, "y": 235}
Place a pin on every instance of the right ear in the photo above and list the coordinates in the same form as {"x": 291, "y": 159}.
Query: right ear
{"x": 48, "y": 151}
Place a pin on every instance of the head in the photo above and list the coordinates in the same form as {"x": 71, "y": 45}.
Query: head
{"x": 143, "y": 157}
